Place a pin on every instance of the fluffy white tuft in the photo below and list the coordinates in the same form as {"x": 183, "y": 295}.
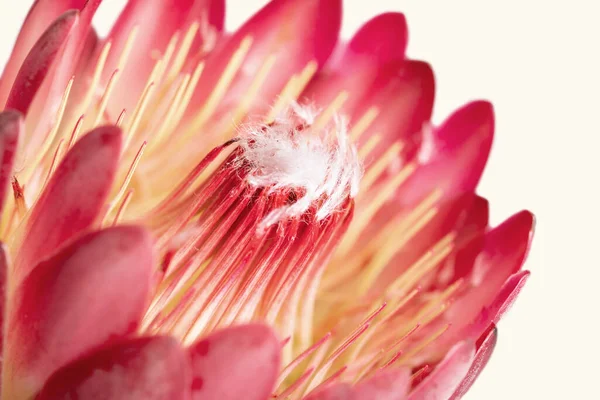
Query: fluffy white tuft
{"x": 289, "y": 153}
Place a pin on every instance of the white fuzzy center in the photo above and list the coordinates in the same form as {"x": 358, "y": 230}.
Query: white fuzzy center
{"x": 290, "y": 154}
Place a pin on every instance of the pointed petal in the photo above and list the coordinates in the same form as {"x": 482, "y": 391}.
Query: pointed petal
{"x": 42, "y": 14}
{"x": 155, "y": 368}
{"x": 235, "y": 363}
{"x": 73, "y": 198}
{"x": 385, "y": 385}
{"x": 91, "y": 293}
{"x": 156, "y": 21}
{"x": 11, "y": 129}
{"x": 43, "y": 78}
{"x": 340, "y": 391}
{"x": 295, "y": 32}
{"x": 40, "y": 60}
{"x": 493, "y": 284}
{"x": 403, "y": 93}
{"x": 383, "y": 38}
{"x": 482, "y": 356}
{"x": 447, "y": 376}
{"x": 380, "y": 41}
{"x": 453, "y": 156}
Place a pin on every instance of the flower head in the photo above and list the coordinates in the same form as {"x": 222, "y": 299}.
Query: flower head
{"x": 193, "y": 214}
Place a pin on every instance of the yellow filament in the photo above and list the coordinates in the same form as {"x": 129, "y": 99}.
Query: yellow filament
{"x": 425, "y": 264}
{"x": 433, "y": 337}
{"x": 373, "y": 206}
{"x": 104, "y": 100}
{"x": 223, "y": 83}
{"x": 323, "y": 119}
{"x": 254, "y": 88}
{"x": 183, "y": 51}
{"x": 368, "y": 147}
{"x": 395, "y": 244}
{"x": 292, "y": 89}
{"x": 126, "y": 182}
{"x": 39, "y": 155}
{"x": 96, "y": 76}
{"x": 363, "y": 123}
{"x": 380, "y": 165}
{"x": 122, "y": 208}
{"x": 168, "y": 120}
{"x": 55, "y": 159}
{"x": 127, "y": 48}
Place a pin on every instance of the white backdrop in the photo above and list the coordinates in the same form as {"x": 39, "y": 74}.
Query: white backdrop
{"x": 538, "y": 61}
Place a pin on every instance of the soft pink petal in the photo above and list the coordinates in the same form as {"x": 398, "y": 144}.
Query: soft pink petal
{"x": 40, "y": 84}
{"x": 391, "y": 384}
{"x": 340, "y": 391}
{"x": 42, "y": 14}
{"x": 384, "y": 38}
{"x": 11, "y": 129}
{"x": 403, "y": 92}
{"x": 4, "y": 266}
{"x": 380, "y": 41}
{"x": 92, "y": 292}
{"x": 236, "y": 363}
{"x": 156, "y": 21}
{"x": 492, "y": 285}
{"x": 73, "y": 198}
{"x": 294, "y": 31}
{"x": 447, "y": 376}
{"x": 154, "y": 368}
{"x": 482, "y": 356}
{"x": 50, "y": 47}
{"x": 452, "y": 157}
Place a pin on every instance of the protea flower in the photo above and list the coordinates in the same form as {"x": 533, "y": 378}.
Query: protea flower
{"x": 263, "y": 214}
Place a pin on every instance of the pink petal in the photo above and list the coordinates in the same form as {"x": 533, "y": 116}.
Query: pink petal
{"x": 4, "y": 266}
{"x": 447, "y": 376}
{"x": 73, "y": 198}
{"x": 92, "y": 292}
{"x": 236, "y": 363}
{"x": 11, "y": 129}
{"x": 492, "y": 285}
{"x": 391, "y": 384}
{"x": 403, "y": 92}
{"x": 157, "y": 21}
{"x": 42, "y": 14}
{"x": 482, "y": 356}
{"x": 294, "y": 31}
{"x": 340, "y": 391}
{"x": 42, "y": 79}
{"x": 154, "y": 368}
{"x": 384, "y": 38}
{"x": 40, "y": 60}
{"x": 381, "y": 40}
{"x": 453, "y": 156}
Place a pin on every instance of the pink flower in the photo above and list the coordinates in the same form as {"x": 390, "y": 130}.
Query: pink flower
{"x": 262, "y": 214}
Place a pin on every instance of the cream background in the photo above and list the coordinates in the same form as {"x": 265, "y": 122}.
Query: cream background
{"x": 538, "y": 61}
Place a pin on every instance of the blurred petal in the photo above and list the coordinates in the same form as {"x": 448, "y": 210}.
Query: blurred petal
{"x": 42, "y": 14}
{"x": 482, "y": 356}
{"x": 340, "y": 391}
{"x": 236, "y": 363}
{"x": 156, "y": 21}
{"x": 73, "y": 198}
{"x": 4, "y": 266}
{"x": 447, "y": 376}
{"x": 11, "y": 129}
{"x": 40, "y": 85}
{"x": 91, "y": 293}
{"x": 155, "y": 368}
{"x": 39, "y": 61}
{"x": 391, "y": 384}
{"x": 295, "y": 32}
